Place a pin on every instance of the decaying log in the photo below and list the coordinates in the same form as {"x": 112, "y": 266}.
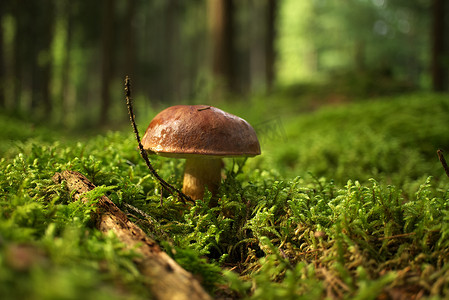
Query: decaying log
{"x": 167, "y": 280}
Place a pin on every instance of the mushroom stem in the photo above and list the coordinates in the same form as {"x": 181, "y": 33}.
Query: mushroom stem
{"x": 201, "y": 173}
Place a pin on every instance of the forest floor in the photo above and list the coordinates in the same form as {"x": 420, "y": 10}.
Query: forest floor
{"x": 346, "y": 201}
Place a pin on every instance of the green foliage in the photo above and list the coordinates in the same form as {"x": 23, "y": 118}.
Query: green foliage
{"x": 393, "y": 140}
{"x": 305, "y": 220}
{"x": 357, "y": 47}
{"x": 210, "y": 275}
{"x": 48, "y": 250}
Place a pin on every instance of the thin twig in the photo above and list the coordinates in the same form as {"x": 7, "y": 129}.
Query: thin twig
{"x": 443, "y": 161}
{"x": 165, "y": 185}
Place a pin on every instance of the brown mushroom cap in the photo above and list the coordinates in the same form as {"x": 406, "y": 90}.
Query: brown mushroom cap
{"x": 186, "y": 131}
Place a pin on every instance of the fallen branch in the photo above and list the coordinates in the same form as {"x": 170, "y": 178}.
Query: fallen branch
{"x": 167, "y": 280}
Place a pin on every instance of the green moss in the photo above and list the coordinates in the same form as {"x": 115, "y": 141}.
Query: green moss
{"x": 304, "y": 220}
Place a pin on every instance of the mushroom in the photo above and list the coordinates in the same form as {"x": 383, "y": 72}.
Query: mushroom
{"x": 203, "y": 135}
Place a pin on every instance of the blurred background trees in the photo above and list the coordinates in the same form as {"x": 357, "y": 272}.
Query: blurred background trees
{"x": 64, "y": 61}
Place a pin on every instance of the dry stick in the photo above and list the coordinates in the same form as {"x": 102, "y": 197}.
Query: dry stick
{"x": 165, "y": 185}
{"x": 164, "y": 277}
{"x": 443, "y": 161}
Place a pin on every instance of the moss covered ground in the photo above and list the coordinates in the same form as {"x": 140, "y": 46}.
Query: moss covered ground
{"x": 346, "y": 202}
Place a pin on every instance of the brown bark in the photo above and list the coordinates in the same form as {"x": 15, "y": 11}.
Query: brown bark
{"x": 45, "y": 70}
{"x": 2, "y": 59}
{"x": 220, "y": 22}
{"x": 270, "y": 53}
{"x": 257, "y": 45}
{"x": 40, "y": 38}
{"x": 170, "y": 73}
{"x": 68, "y": 94}
{"x": 107, "y": 57}
{"x": 167, "y": 280}
{"x": 130, "y": 39}
{"x": 21, "y": 56}
{"x": 439, "y": 72}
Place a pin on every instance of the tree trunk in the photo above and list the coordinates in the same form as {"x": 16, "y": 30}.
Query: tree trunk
{"x": 21, "y": 57}
{"x": 167, "y": 280}
{"x": 40, "y": 37}
{"x": 68, "y": 89}
{"x": 270, "y": 53}
{"x": 107, "y": 58}
{"x": 439, "y": 70}
{"x": 2, "y": 60}
{"x": 130, "y": 39}
{"x": 171, "y": 84}
{"x": 46, "y": 66}
{"x": 221, "y": 30}
{"x": 257, "y": 45}
{"x": 33, "y": 32}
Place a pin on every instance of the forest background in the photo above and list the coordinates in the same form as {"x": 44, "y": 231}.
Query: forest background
{"x": 349, "y": 99}
{"x": 63, "y": 62}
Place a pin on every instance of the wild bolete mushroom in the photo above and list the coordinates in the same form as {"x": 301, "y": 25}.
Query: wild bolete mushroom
{"x": 203, "y": 135}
